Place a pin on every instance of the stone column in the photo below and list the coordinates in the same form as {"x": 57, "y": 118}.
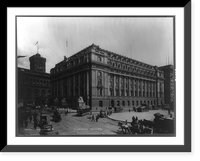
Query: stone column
{"x": 87, "y": 83}
{"x": 61, "y": 88}
{"x": 129, "y": 86}
{"x": 79, "y": 84}
{"x": 141, "y": 87}
{"x": 114, "y": 85}
{"x": 125, "y": 87}
{"x": 147, "y": 93}
{"x": 138, "y": 87}
{"x": 119, "y": 81}
{"x": 74, "y": 85}
{"x": 57, "y": 88}
{"x": 163, "y": 90}
{"x": 108, "y": 83}
{"x": 144, "y": 88}
{"x": 134, "y": 87}
{"x": 152, "y": 89}
{"x": 155, "y": 94}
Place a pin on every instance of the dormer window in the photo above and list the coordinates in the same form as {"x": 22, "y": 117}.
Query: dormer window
{"x": 99, "y": 58}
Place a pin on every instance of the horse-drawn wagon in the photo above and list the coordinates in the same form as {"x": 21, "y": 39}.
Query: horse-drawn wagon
{"x": 46, "y": 127}
{"x": 162, "y": 124}
{"x": 56, "y": 116}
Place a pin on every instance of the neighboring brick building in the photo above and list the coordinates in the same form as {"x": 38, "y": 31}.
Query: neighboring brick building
{"x": 104, "y": 78}
{"x": 169, "y": 86}
{"x": 34, "y": 84}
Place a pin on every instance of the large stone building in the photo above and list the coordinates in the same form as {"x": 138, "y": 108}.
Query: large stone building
{"x": 169, "y": 84}
{"x": 34, "y": 84}
{"x": 104, "y": 78}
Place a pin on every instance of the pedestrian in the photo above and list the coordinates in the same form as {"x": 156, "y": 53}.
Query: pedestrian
{"x": 22, "y": 122}
{"x": 133, "y": 118}
{"x": 168, "y": 111}
{"x": 129, "y": 110}
{"x": 30, "y": 118}
{"x": 136, "y": 119}
{"x": 97, "y": 118}
{"x": 35, "y": 123}
{"x": 26, "y": 123}
{"x": 66, "y": 112}
{"x": 93, "y": 117}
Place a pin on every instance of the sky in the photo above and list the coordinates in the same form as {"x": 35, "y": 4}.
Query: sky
{"x": 146, "y": 39}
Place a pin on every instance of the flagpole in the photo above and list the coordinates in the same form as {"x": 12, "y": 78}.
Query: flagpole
{"x": 37, "y": 47}
{"x": 67, "y": 47}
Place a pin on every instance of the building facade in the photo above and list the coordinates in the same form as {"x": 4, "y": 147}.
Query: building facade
{"x": 104, "y": 78}
{"x": 169, "y": 84}
{"x": 34, "y": 84}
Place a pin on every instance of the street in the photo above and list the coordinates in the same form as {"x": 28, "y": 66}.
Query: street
{"x": 75, "y": 125}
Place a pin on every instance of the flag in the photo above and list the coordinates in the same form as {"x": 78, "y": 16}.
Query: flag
{"x": 36, "y": 43}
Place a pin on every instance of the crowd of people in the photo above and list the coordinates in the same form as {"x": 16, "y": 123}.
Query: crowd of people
{"x": 29, "y": 118}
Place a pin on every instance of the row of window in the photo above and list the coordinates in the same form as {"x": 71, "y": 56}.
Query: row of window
{"x": 132, "y": 69}
{"x": 131, "y": 103}
{"x": 36, "y": 93}
{"x": 73, "y": 92}
{"x": 130, "y": 82}
{"x": 133, "y": 93}
{"x": 128, "y": 60}
{"x": 35, "y": 82}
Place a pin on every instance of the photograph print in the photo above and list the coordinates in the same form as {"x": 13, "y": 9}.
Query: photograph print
{"x": 95, "y": 76}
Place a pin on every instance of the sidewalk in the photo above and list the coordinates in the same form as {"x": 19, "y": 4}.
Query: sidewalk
{"x": 29, "y": 130}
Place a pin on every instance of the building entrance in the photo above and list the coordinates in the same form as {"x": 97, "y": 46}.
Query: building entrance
{"x": 112, "y": 103}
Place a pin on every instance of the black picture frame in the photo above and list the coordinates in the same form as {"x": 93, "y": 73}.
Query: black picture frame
{"x": 186, "y": 148}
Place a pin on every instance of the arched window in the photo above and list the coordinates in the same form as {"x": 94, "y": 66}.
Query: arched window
{"x": 99, "y": 73}
{"x": 41, "y": 82}
{"x": 33, "y": 81}
{"x": 43, "y": 93}
{"x": 128, "y": 102}
{"x": 47, "y": 83}
{"x": 30, "y": 81}
{"x": 36, "y": 93}
{"x": 100, "y": 103}
{"x": 26, "y": 80}
{"x": 99, "y": 58}
{"x": 28, "y": 93}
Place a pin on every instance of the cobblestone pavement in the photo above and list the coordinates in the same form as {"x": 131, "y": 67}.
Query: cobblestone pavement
{"x": 74, "y": 125}
{"x": 141, "y": 115}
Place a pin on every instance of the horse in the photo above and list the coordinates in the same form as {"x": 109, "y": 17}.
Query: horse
{"x": 125, "y": 127}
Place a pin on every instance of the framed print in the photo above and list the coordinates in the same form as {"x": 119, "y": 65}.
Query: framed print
{"x": 91, "y": 80}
